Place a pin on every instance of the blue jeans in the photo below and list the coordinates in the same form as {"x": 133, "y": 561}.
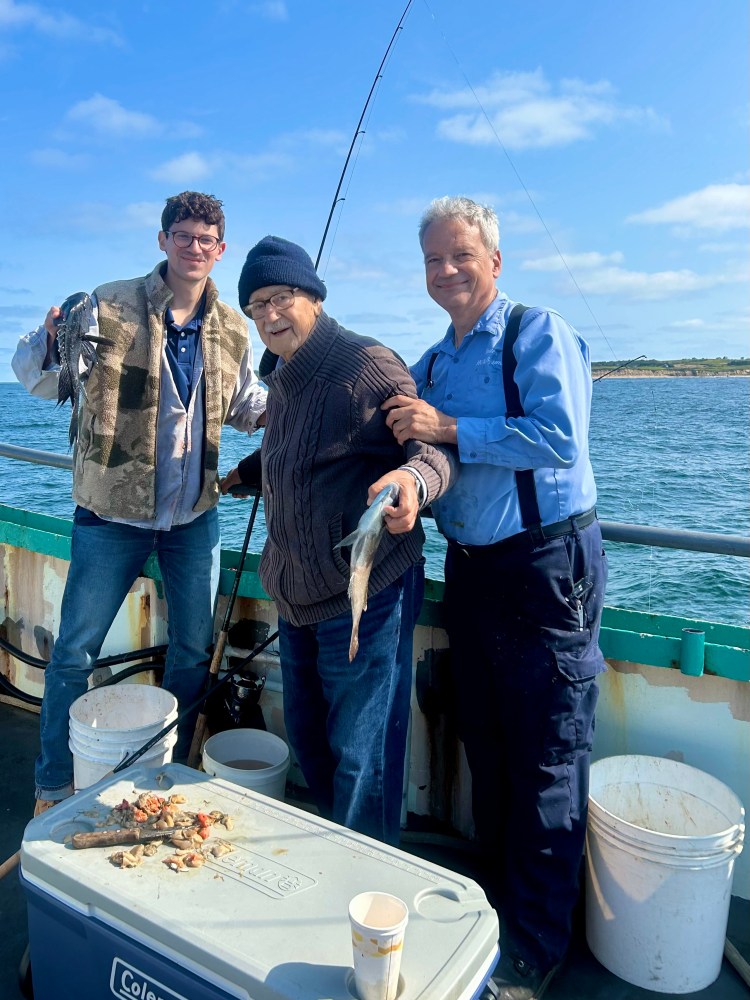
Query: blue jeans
{"x": 347, "y": 722}
{"x": 105, "y": 560}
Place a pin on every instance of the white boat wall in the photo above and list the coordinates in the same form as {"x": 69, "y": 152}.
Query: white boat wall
{"x": 675, "y": 687}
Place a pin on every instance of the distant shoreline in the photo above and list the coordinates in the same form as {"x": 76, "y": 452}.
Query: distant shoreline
{"x": 633, "y": 373}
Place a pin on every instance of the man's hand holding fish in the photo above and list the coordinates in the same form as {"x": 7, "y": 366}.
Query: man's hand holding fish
{"x": 403, "y": 516}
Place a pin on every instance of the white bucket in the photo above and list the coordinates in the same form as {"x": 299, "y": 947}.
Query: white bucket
{"x": 251, "y": 758}
{"x": 91, "y": 766}
{"x": 660, "y": 847}
{"x": 109, "y": 723}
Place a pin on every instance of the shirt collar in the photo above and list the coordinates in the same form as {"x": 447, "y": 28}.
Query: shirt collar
{"x": 194, "y": 325}
{"x": 485, "y": 324}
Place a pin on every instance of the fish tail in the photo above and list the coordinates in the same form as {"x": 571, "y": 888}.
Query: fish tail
{"x": 353, "y": 645}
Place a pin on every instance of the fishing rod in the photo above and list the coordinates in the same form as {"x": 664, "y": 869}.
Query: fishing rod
{"x": 619, "y": 368}
{"x": 359, "y": 130}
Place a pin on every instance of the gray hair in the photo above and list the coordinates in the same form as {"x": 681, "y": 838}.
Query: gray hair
{"x": 464, "y": 210}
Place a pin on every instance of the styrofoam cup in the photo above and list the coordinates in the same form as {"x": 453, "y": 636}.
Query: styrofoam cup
{"x": 378, "y": 921}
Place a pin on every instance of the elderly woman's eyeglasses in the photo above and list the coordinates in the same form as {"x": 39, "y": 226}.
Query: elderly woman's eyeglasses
{"x": 280, "y": 301}
{"x": 185, "y": 240}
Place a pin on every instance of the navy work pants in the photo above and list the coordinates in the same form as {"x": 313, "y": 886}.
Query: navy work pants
{"x": 525, "y": 655}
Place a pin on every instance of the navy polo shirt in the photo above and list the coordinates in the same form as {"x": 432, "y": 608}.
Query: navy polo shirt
{"x": 182, "y": 347}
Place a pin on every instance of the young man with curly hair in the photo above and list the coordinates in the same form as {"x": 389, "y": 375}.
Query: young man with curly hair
{"x": 176, "y": 363}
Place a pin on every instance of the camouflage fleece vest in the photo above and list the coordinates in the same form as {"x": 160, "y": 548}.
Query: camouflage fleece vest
{"x": 115, "y": 454}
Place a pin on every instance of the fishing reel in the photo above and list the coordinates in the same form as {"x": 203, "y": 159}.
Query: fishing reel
{"x": 236, "y": 705}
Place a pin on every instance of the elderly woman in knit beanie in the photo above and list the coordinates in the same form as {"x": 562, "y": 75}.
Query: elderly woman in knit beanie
{"x": 327, "y": 451}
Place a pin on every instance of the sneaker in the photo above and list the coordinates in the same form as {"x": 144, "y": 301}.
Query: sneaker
{"x": 515, "y": 979}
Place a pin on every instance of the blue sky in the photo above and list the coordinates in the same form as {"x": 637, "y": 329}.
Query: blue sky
{"x": 611, "y": 138}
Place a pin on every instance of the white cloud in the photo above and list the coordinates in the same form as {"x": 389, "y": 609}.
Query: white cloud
{"x": 108, "y": 117}
{"x": 192, "y": 167}
{"x": 273, "y": 10}
{"x": 142, "y": 215}
{"x": 58, "y": 25}
{"x": 574, "y": 261}
{"x": 525, "y": 111}
{"x": 185, "y": 169}
{"x": 257, "y": 166}
{"x": 104, "y": 116}
{"x": 686, "y": 324}
{"x": 718, "y": 207}
{"x": 58, "y": 159}
{"x": 736, "y": 247}
{"x": 599, "y": 274}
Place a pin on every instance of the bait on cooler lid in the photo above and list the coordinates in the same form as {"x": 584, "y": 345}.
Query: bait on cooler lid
{"x": 266, "y": 922}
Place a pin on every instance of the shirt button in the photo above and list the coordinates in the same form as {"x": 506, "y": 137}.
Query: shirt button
{"x": 455, "y": 361}
{"x": 486, "y": 378}
{"x": 472, "y": 454}
{"x": 183, "y": 349}
{"x": 449, "y": 396}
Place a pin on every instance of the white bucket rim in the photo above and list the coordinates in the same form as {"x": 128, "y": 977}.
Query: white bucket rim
{"x": 164, "y": 714}
{"x": 732, "y": 834}
{"x": 233, "y": 735}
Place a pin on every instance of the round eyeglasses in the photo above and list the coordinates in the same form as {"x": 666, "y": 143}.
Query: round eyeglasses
{"x": 280, "y": 301}
{"x": 184, "y": 240}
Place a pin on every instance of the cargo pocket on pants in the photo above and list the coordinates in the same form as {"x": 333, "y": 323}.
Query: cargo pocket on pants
{"x": 572, "y": 704}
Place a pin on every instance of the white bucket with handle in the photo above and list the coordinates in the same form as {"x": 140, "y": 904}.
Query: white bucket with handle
{"x": 661, "y": 843}
{"x": 109, "y": 723}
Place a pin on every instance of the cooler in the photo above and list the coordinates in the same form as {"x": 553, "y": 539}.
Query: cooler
{"x": 266, "y": 922}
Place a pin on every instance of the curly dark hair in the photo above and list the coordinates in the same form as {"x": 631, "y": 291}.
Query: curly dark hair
{"x": 193, "y": 205}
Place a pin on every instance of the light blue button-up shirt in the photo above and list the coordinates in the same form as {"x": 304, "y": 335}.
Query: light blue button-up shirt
{"x": 553, "y": 375}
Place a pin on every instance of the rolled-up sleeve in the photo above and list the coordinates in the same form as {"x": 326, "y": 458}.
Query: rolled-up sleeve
{"x": 28, "y": 365}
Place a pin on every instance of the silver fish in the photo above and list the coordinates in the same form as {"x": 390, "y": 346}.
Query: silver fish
{"x": 74, "y": 341}
{"x": 364, "y": 541}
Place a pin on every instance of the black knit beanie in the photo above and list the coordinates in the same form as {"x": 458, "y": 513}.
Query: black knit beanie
{"x": 274, "y": 261}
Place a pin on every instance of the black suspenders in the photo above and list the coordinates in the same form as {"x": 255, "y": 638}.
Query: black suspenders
{"x": 525, "y": 484}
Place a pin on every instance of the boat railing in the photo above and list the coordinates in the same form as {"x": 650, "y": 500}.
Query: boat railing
{"x": 612, "y": 531}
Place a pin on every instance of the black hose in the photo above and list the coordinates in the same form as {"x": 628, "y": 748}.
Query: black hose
{"x": 104, "y": 661}
{"x": 137, "y": 668}
{"x": 17, "y": 693}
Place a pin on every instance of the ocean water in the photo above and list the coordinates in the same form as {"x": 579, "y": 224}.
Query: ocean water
{"x": 669, "y": 452}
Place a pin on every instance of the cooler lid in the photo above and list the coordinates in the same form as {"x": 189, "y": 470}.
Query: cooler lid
{"x": 269, "y": 920}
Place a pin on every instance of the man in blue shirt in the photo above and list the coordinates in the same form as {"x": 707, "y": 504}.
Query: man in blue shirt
{"x": 525, "y": 575}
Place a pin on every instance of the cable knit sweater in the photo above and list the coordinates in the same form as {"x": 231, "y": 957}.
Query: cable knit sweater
{"x": 325, "y": 442}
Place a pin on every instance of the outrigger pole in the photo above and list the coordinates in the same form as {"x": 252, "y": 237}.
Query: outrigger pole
{"x": 619, "y": 367}
{"x": 359, "y": 130}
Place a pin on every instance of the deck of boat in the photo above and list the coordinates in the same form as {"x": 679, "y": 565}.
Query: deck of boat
{"x": 581, "y": 978}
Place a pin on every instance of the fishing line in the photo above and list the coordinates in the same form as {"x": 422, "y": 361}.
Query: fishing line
{"x": 358, "y": 130}
{"x": 519, "y": 178}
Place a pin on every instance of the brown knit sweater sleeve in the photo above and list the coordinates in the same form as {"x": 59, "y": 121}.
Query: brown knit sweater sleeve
{"x": 384, "y": 376}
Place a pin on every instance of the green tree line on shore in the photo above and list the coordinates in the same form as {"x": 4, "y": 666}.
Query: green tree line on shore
{"x": 681, "y": 366}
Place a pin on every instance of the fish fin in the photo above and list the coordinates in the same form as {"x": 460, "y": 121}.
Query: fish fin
{"x": 73, "y": 428}
{"x": 94, "y": 339}
{"x": 346, "y": 542}
{"x": 64, "y": 386}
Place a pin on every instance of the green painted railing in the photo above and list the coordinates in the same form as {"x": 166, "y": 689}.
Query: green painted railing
{"x": 686, "y": 644}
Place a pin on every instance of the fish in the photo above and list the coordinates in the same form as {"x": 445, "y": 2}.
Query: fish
{"x": 73, "y": 342}
{"x": 364, "y": 541}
